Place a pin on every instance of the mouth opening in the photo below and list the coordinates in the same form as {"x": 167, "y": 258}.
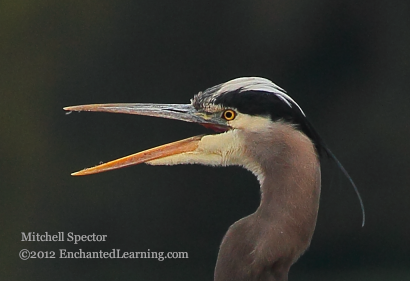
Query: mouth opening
{"x": 182, "y": 112}
{"x": 216, "y": 128}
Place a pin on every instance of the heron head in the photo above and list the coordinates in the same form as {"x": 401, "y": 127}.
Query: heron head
{"x": 243, "y": 105}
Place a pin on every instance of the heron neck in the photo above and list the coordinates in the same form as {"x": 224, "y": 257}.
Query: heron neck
{"x": 290, "y": 186}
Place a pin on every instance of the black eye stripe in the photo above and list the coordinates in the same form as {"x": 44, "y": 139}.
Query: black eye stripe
{"x": 265, "y": 103}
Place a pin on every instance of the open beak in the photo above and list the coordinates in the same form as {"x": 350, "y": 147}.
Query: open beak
{"x": 183, "y": 112}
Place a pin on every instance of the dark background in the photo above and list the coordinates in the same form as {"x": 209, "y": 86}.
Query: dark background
{"x": 347, "y": 63}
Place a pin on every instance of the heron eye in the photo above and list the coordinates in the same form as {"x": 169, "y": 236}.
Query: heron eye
{"x": 229, "y": 114}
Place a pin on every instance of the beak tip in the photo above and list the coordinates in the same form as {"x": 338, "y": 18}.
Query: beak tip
{"x": 79, "y": 173}
{"x": 71, "y": 108}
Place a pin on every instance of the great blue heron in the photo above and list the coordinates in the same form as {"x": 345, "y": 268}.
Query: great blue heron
{"x": 265, "y": 131}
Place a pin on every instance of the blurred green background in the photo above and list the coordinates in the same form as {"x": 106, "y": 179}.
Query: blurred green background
{"x": 347, "y": 63}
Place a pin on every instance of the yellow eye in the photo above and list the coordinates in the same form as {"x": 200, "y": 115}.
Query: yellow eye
{"x": 229, "y": 114}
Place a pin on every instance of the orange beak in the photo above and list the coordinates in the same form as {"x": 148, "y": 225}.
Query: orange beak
{"x": 178, "y": 147}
